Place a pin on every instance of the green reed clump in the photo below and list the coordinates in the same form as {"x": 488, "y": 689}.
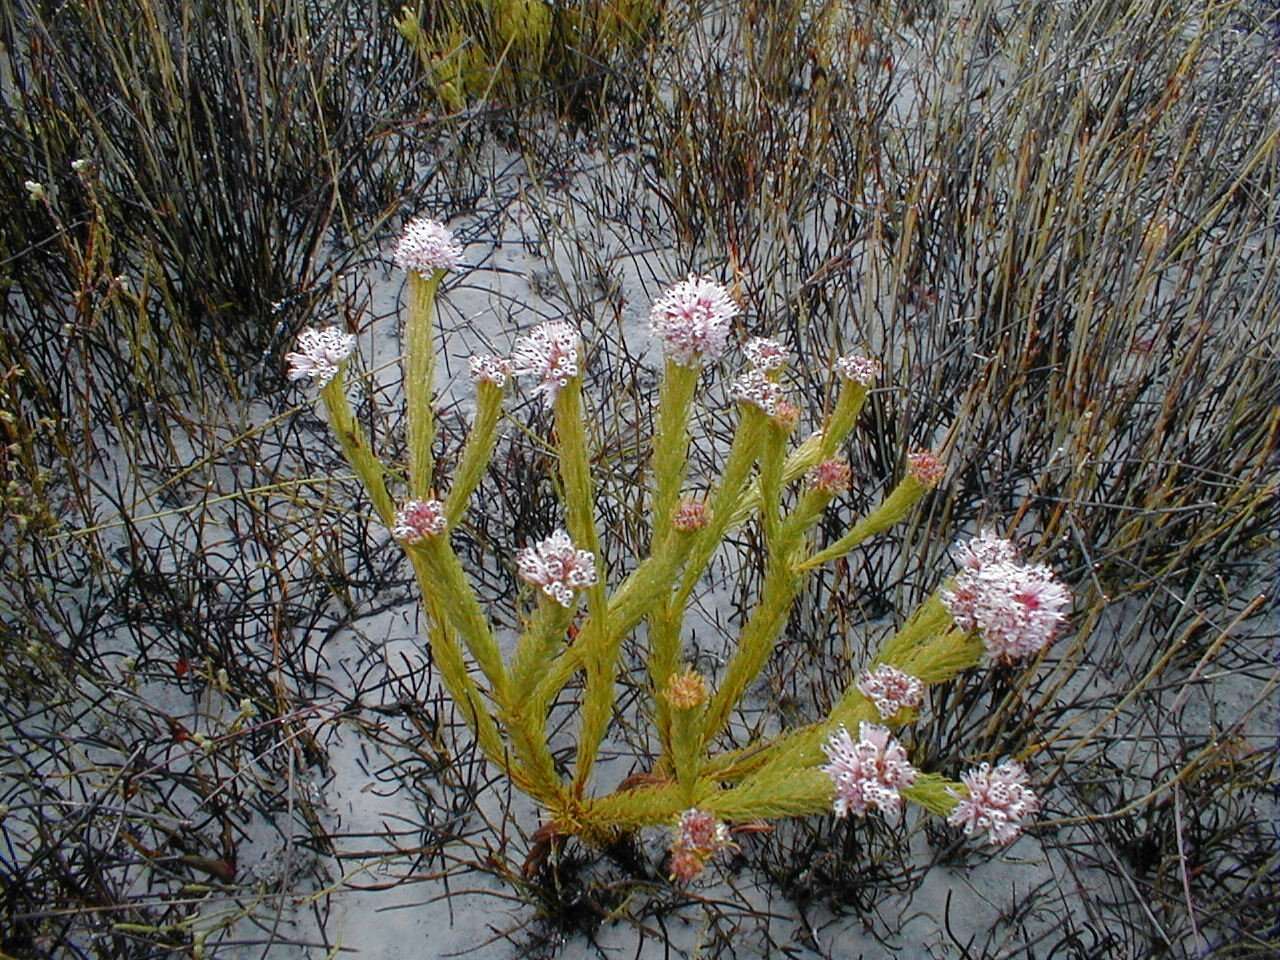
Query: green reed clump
{"x": 522, "y": 49}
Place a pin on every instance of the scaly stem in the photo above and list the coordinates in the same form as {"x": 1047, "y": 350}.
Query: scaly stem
{"x": 599, "y": 648}
{"x": 671, "y": 447}
{"x": 419, "y": 380}
{"x": 476, "y": 452}
{"x": 891, "y": 511}
{"x": 355, "y": 448}
{"x": 665, "y": 623}
{"x": 848, "y": 405}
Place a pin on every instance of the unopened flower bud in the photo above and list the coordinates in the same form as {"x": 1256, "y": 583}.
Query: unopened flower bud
{"x": 686, "y": 691}
{"x": 831, "y": 477}
{"x": 691, "y": 516}
{"x": 925, "y": 468}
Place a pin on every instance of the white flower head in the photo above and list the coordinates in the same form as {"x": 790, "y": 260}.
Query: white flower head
{"x": 550, "y": 353}
{"x": 868, "y": 773}
{"x": 319, "y": 354}
{"x": 764, "y": 354}
{"x": 419, "y": 519}
{"x": 755, "y": 388}
{"x": 997, "y": 801}
{"x": 891, "y": 689}
{"x": 859, "y": 369}
{"x": 555, "y": 565}
{"x": 692, "y": 319}
{"x": 427, "y": 246}
{"x": 1017, "y": 607}
{"x": 489, "y": 369}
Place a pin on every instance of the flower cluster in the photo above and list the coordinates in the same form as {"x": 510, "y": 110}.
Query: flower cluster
{"x": 755, "y": 388}
{"x": 831, "y": 477}
{"x": 764, "y": 354}
{"x": 426, "y": 246}
{"x": 692, "y": 319}
{"x": 555, "y": 565}
{"x": 890, "y": 689}
{"x": 858, "y": 368}
{"x": 686, "y": 691}
{"x": 549, "y": 353}
{"x": 997, "y": 801}
{"x": 691, "y": 516}
{"x": 925, "y": 467}
{"x": 418, "y": 519}
{"x": 319, "y": 354}
{"x": 868, "y": 773}
{"x": 698, "y": 836}
{"x": 1017, "y": 607}
{"x": 489, "y": 369}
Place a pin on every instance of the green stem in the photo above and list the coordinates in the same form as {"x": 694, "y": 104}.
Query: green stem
{"x": 755, "y": 644}
{"x": 848, "y": 405}
{"x": 891, "y": 511}
{"x": 355, "y": 448}
{"x": 476, "y": 452}
{"x": 419, "y": 380}
{"x": 671, "y": 446}
{"x": 599, "y": 648}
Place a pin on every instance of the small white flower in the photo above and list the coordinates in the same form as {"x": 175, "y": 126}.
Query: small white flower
{"x": 426, "y": 246}
{"x": 868, "y": 773}
{"x": 419, "y": 519}
{"x": 890, "y": 689}
{"x": 692, "y": 319}
{"x": 488, "y": 369}
{"x": 858, "y": 368}
{"x": 555, "y": 565}
{"x": 755, "y": 388}
{"x": 764, "y": 354}
{"x": 997, "y": 801}
{"x": 319, "y": 354}
{"x": 550, "y": 353}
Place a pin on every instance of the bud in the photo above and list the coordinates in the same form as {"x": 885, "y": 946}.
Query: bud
{"x": 686, "y": 691}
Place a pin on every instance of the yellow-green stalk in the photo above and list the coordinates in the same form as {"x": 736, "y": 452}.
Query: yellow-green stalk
{"x": 666, "y": 622}
{"x": 477, "y": 451}
{"x": 686, "y": 696}
{"x": 671, "y": 446}
{"x": 355, "y": 448}
{"x": 419, "y": 379}
{"x": 446, "y": 580}
{"x": 892, "y": 510}
{"x": 447, "y": 657}
{"x": 599, "y": 649}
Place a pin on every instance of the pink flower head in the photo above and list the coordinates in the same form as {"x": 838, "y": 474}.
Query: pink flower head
{"x": 925, "y": 468}
{"x": 692, "y": 319}
{"x": 755, "y": 388}
{"x": 997, "y": 801}
{"x": 859, "y": 369}
{"x": 690, "y": 516}
{"x": 890, "y": 689}
{"x": 427, "y": 246}
{"x": 986, "y": 549}
{"x": 557, "y": 567}
{"x": 831, "y": 477}
{"x": 488, "y": 369}
{"x": 417, "y": 520}
{"x": 764, "y": 354}
{"x": 319, "y": 354}
{"x": 698, "y": 836}
{"x": 550, "y": 353}
{"x": 867, "y": 773}
{"x": 1017, "y": 607}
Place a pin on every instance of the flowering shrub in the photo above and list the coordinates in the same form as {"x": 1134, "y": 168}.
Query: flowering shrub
{"x": 995, "y": 608}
